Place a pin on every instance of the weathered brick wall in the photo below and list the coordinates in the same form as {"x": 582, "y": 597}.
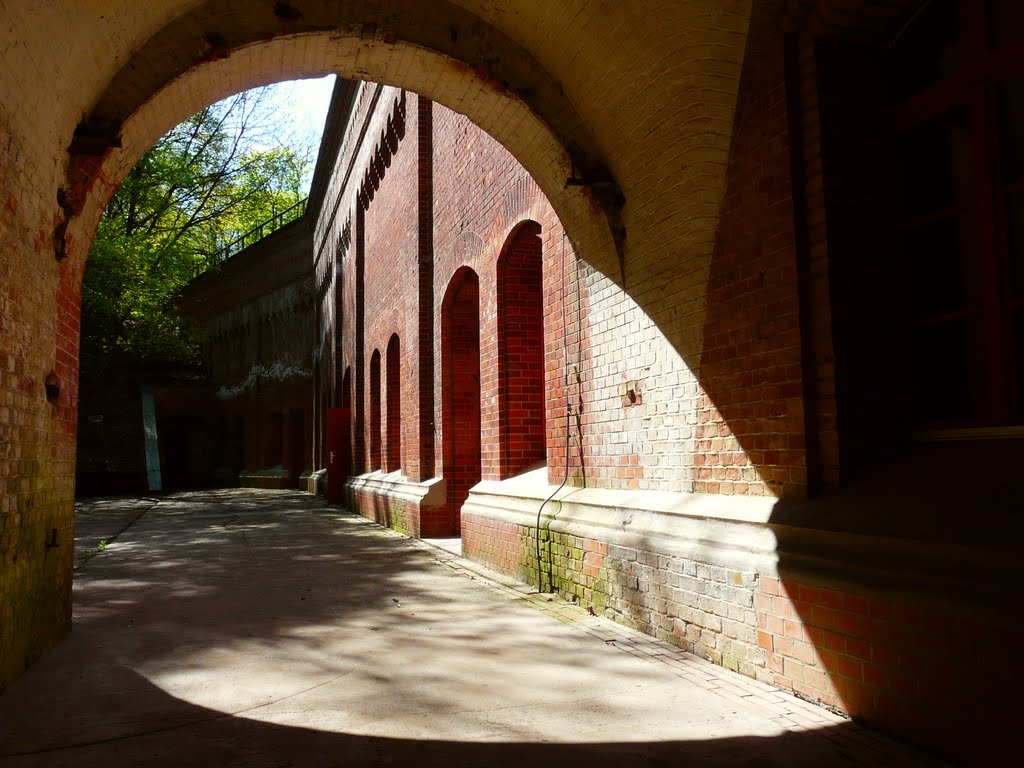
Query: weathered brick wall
{"x": 705, "y": 608}
{"x": 750, "y": 433}
{"x": 39, "y": 310}
{"x": 521, "y": 352}
{"x": 639, "y": 418}
{"x": 893, "y": 662}
{"x": 258, "y": 315}
{"x": 388, "y": 511}
{"x": 616, "y": 439}
{"x": 636, "y": 403}
{"x": 481, "y": 196}
{"x": 391, "y": 242}
{"x": 893, "y": 655}
{"x": 861, "y": 596}
{"x": 638, "y": 396}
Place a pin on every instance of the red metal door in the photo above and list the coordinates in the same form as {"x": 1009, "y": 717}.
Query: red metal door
{"x": 339, "y": 452}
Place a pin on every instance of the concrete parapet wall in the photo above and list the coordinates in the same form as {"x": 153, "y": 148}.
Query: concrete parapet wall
{"x": 264, "y": 478}
{"x": 391, "y": 499}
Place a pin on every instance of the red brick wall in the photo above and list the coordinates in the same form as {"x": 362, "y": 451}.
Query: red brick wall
{"x": 349, "y": 275}
{"x": 901, "y": 664}
{"x": 460, "y": 390}
{"x": 481, "y": 197}
{"x": 391, "y": 240}
{"x": 646, "y": 415}
{"x": 604, "y": 359}
{"x": 521, "y": 376}
{"x": 416, "y": 215}
{"x": 340, "y": 259}
{"x": 381, "y": 263}
{"x": 750, "y": 436}
{"x": 426, "y": 327}
{"x": 913, "y": 661}
{"x": 346, "y": 388}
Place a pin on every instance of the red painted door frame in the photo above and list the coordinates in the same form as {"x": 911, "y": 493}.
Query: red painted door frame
{"x": 339, "y": 452}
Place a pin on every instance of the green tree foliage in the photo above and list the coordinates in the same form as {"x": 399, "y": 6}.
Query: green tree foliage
{"x": 210, "y": 180}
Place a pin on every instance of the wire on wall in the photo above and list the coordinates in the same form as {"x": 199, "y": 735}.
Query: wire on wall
{"x": 568, "y": 407}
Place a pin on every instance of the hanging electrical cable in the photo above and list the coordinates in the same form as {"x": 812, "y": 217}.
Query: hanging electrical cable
{"x": 568, "y": 407}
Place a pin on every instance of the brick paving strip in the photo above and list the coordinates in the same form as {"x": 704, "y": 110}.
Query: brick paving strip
{"x": 257, "y": 628}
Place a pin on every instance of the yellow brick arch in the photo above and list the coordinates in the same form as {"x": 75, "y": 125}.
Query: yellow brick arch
{"x": 636, "y": 100}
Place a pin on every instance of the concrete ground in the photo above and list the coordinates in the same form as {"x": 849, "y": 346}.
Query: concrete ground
{"x": 261, "y": 628}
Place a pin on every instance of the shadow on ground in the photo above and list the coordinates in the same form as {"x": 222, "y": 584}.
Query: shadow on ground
{"x": 262, "y": 629}
{"x": 191, "y": 735}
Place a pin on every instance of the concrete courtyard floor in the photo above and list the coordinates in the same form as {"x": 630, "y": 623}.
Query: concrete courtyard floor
{"x": 260, "y": 628}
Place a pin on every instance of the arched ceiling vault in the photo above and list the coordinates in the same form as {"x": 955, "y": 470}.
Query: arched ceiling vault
{"x": 629, "y": 102}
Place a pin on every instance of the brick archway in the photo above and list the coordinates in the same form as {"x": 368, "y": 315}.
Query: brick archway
{"x": 566, "y": 106}
{"x": 109, "y": 140}
{"x": 497, "y": 68}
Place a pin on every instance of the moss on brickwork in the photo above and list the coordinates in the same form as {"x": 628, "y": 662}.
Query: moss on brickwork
{"x": 37, "y": 429}
{"x": 701, "y": 608}
{"x": 398, "y": 518}
{"x": 385, "y": 510}
{"x": 37, "y": 548}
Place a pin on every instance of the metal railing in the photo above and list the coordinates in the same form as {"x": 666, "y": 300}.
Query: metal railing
{"x": 254, "y": 235}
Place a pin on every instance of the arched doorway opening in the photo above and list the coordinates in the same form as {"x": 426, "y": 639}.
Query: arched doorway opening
{"x": 521, "y": 351}
{"x": 460, "y": 396}
{"x": 393, "y": 461}
{"x": 376, "y": 442}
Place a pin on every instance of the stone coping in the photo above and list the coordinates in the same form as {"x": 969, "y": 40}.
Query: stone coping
{"x": 430, "y": 493}
{"x": 737, "y": 532}
{"x": 271, "y": 472}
